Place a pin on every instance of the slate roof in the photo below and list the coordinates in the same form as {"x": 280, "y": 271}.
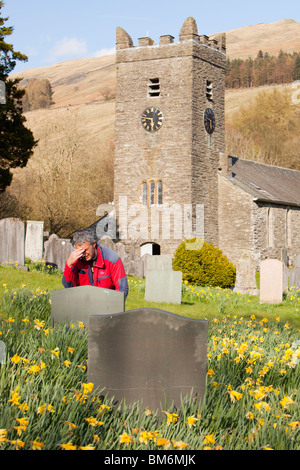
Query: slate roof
{"x": 266, "y": 183}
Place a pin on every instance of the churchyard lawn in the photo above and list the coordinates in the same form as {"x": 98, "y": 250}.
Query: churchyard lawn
{"x": 253, "y": 379}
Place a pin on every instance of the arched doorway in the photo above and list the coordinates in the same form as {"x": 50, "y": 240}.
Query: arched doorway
{"x": 150, "y": 249}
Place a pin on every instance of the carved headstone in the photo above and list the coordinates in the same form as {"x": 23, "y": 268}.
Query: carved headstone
{"x": 245, "y": 275}
{"x": 148, "y": 355}
{"x": 78, "y": 303}
{"x": 271, "y": 281}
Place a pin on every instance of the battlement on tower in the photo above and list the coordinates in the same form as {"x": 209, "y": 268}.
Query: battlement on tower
{"x": 188, "y": 32}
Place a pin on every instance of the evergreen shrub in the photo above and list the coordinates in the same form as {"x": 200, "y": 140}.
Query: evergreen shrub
{"x": 205, "y": 266}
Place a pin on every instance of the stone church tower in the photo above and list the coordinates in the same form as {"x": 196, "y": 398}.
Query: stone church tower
{"x": 169, "y": 136}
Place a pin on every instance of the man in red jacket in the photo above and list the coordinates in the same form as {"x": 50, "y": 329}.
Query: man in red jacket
{"x": 95, "y": 265}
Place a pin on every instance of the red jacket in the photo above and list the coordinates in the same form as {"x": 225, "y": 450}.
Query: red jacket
{"x": 108, "y": 272}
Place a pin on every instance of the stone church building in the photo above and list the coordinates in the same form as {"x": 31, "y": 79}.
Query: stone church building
{"x": 172, "y": 178}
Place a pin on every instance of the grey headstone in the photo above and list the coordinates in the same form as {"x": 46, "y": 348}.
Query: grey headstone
{"x": 294, "y": 277}
{"x": 57, "y": 251}
{"x": 159, "y": 263}
{"x": 148, "y": 355}
{"x": 245, "y": 275}
{"x": 163, "y": 286}
{"x": 12, "y": 236}
{"x": 271, "y": 281}
{"x": 34, "y": 240}
{"x": 2, "y": 352}
{"x": 78, "y": 303}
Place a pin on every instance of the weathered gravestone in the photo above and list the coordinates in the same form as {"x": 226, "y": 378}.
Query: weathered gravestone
{"x": 12, "y": 236}
{"x": 271, "y": 281}
{"x": 2, "y": 352}
{"x": 294, "y": 274}
{"x": 162, "y": 284}
{"x": 294, "y": 278}
{"x": 57, "y": 251}
{"x": 78, "y": 303}
{"x": 34, "y": 240}
{"x": 148, "y": 355}
{"x": 245, "y": 275}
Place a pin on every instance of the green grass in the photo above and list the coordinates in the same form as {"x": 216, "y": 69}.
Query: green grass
{"x": 197, "y": 302}
{"x": 252, "y": 386}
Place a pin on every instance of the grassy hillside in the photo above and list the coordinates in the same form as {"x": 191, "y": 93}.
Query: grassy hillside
{"x": 83, "y": 94}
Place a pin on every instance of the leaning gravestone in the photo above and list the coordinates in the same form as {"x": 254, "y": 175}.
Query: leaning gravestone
{"x": 148, "y": 355}
{"x": 34, "y": 240}
{"x": 271, "y": 281}
{"x": 12, "y": 246}
{"x": 78, "y": 303}
{"x": 162, "y": 284}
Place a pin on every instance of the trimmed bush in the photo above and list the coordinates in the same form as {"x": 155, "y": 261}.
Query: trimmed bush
{"x": 206, "y": 266}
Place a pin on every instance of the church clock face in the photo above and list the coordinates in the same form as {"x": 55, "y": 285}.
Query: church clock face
{"x": 152, "y": 119}
{"x": 209, "y": 121}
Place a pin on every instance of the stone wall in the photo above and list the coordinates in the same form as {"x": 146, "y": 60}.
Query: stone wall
{"x": 244, "y": 226}
{"x": 235, "y": 221}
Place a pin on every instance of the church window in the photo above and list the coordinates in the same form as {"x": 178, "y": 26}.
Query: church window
{"x": 159, "y": 193}
{"x": 145, "y": 193}
{"x": 152, "y": 193}
{"x": 209, "y": 90}
{"x": 153, "y": 87}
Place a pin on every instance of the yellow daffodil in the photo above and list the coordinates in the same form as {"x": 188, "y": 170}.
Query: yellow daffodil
{"x": 71, "y": 425}
{"x": 171, "y": 417}
{"x": 209, "y": 439}
{"x": 179, "y": 444}
{"x": 18, "y": 443}
{"x": 93, "y": 421}
{"x": 68, "y": 446}
{"x": 15, "y": 397}
{"x": 87, "y": 387}
{"x": 146, "y": 436}
{"x": 286, "y": 402}
{"x": 88, "y": 447}
{"x": 163, "y": 442}
{"x": 191, "y": 421}
{"x": 36, "y": 445}
{"x": 234, "y": 395}
{"x": 55, "y": 352}
{"x": 126, "y": 439}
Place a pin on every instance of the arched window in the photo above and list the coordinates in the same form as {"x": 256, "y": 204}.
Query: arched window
{"x": 145, "y": 193}
{"x": 152, "y": 193}
{"x": 159, "y": 193}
